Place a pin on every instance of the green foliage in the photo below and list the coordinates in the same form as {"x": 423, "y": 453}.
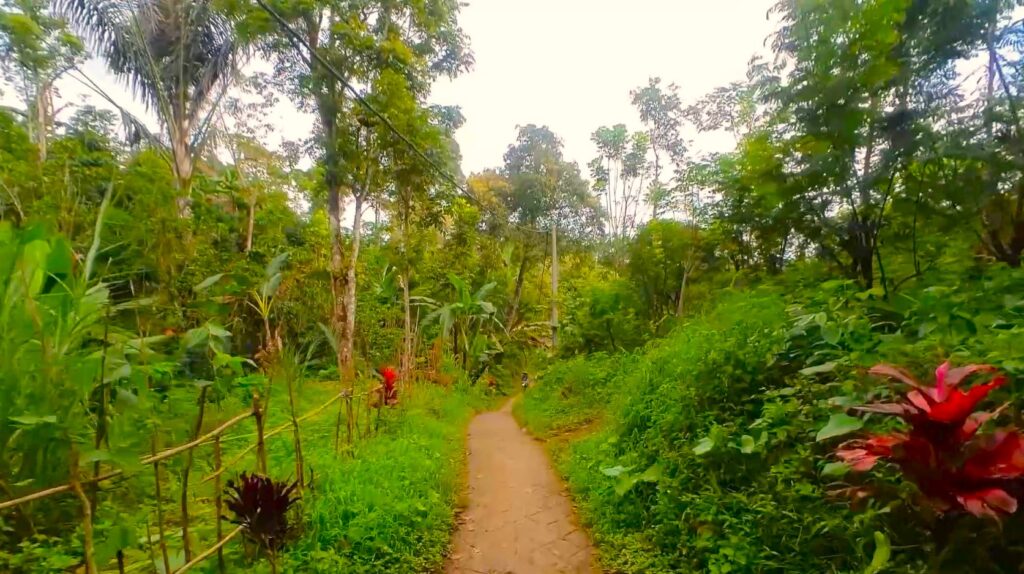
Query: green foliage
{"x": 391, "y": 507}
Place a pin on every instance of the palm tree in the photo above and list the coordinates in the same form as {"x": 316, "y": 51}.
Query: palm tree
{"x": 177, "y": 56}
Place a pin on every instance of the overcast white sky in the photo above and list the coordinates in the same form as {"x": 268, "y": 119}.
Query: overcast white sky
{"x": 569, "y": 64}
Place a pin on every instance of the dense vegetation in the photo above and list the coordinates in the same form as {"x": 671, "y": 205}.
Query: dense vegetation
{"x": 702, "y": 356}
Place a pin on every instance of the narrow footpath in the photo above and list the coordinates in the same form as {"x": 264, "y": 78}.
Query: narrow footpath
{"x": 519, "y": 519}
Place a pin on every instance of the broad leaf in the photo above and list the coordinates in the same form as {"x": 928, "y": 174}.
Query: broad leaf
{"x": 838, "y": 425}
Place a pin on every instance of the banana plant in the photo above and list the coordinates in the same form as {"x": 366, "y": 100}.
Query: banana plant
{"x": 263, "y": 298}
{"x": 463, "y": 319}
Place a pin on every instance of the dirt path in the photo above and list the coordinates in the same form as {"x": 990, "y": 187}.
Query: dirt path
{"x": 519, "y": 520}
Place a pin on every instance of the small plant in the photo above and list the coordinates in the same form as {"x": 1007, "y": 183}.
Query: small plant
{"x": 389, "y": 392}
{"x": 954, "y": 466}
{"x": 261, "y": 506}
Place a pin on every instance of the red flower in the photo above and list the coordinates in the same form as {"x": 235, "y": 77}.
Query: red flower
{"x": 941, "y": 453}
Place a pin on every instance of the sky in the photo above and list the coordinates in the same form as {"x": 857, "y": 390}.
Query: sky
{"x": 570, "y": 65}
{"x": 567, "y": 64}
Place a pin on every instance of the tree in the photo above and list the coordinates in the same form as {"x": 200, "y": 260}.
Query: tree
{"x": 177, "y": 56}
{"x": 661, "y": 113}
{"x": 36, "y": 50}
{"x": 540, "y": 190}
{"x": 360, "y": 42}
{"x": 864, "y": 78}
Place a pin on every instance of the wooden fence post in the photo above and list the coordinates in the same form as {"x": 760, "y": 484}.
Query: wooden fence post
{"x": 87, "y": 543}
{"x": 261, "y": 447}
{"x": 218, "y": 500}
{"x": 160, "y": 509}
{"x": 189, "y": 456}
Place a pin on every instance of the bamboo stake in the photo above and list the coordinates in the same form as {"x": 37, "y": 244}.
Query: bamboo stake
{"x": 274, "y": 431}
{"x": 296, "y": 436}
{"x": 164, "y": 455}
{"x": 261, "y": 445}
{"x": 189, "y": 457}
{"x": 87, "y": 543}
{"x": 149, "y": 544}
{"x": 159, "y": 510}
{"x": 208, "y": 552}
{"x": 218, "y": 501}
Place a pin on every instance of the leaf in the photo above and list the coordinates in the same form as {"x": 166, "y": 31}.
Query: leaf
{"x": 120, "y": 537}
{"x": 217, "y": 331}
{"x": 838, "y": 425}
{"x": 94, "y": 248}
{"x": 329, "y": 335}
{"x": 32, "y": 420}
{"x": 831, "y": 333}
{"x": 269, "y": 289}
{"x": 209, "y": 281}
{"x": 652, "y": 474}
{"x": 275, "y": 265}
{"x": 747, "y": 444}
{"x": 704, "y": 446}
{"x": 625, "y": 484}
{"x": 883, "y": 551}
{"x": 835, "y": 469}
{"x": 819, "y": 369}
{"x": 615, "y": 471}
{"x": 125, "y": 400}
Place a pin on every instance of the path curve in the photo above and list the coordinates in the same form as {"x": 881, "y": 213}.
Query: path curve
{"x": 519, "y": 519}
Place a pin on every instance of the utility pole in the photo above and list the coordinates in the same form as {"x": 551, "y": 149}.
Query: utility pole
{"x": 554, "y": 285}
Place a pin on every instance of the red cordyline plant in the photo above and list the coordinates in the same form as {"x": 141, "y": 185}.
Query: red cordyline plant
{"x": 390, "y": 391}
{"x": 260, "y": 505}
{"x": 954, "y": 466}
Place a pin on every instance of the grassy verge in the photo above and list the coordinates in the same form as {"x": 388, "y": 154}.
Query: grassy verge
{"x": 391, "y": 506}
{"x": 698, "y": 452}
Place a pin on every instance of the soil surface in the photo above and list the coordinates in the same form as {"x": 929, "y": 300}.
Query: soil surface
{"x": 519, "y": 519}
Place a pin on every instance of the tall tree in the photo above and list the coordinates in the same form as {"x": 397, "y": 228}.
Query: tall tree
{"x": 864, "y": 79}
{"x": 177, "y": 56}
{"x": 36, "y": 49}
{"x": 619, "y": 174}
{"x": 360, "y": 41}
{"x": 661, "y": 112}
{"x": 543, "y": 190}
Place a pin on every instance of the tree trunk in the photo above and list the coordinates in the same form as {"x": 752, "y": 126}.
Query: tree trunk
{"x": 42, "y": 119}
{"x": 182, "y": 156}
{"x": 337, "y": 269}
{"x": 554, "y": 286}
{"x": 513, "y": 310}
{"x": 681, "y": 303}
{"x": 249, "y": 226}
{"x": 407, "y": 359}
{"x": 348, "y": 327}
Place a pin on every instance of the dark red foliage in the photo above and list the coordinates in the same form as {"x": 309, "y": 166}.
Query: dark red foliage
{"x": 260, "y": 505}
{"x": 942, "y": 453}
{"x": 390, "y": 376}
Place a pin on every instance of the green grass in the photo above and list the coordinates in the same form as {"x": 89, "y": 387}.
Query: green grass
{"x": 390, "y": 507}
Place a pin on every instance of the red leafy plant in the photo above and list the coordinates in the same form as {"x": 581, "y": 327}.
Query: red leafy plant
{"x": 389, "y": 375}
{"x": 954, "y": 466}
{"x": 261, "y": 507}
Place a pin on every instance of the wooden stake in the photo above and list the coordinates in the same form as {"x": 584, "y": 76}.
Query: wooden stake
{"x": 261, "y": 446}
{"x": 87, "y": 543}
{"x": 218, "y": 501}
{"x": 187, "y": 544}
{"x": 159, "y": 509}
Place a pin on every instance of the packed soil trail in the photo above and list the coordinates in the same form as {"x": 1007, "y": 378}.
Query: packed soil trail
{"x": 519, "y": 519}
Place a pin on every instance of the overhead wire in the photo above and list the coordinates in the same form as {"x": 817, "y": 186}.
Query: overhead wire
{"x": 299, "y": 43}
